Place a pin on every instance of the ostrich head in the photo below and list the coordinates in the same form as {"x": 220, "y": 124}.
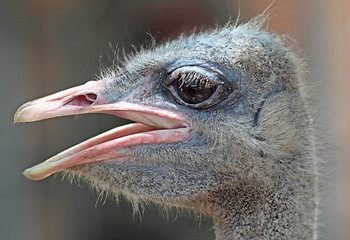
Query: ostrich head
{"x": 221, "y": 128}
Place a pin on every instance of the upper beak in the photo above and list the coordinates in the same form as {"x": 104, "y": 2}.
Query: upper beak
{"x": 76, "y": 100}
{"x": 155, "y": 125}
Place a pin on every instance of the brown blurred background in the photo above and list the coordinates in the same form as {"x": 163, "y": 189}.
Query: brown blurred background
{"x": 48, "y": 45}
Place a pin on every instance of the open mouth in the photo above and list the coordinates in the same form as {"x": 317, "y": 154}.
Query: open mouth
{"x": 154, "y": 126}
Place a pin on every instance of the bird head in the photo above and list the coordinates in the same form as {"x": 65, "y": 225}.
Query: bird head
{"x": 210, "y": 109}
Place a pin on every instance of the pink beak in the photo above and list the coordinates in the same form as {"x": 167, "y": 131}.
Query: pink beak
{"x": 155, "y": 126}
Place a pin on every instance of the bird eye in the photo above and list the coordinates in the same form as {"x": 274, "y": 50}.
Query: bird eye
{"x": 197, "y": 86}
{"x": 193, "y": 88}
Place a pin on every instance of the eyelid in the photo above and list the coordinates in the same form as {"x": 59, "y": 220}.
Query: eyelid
{"x": 212, "y": 76}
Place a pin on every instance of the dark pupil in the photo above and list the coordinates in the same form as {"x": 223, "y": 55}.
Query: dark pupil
{"x": 195, "y": 91}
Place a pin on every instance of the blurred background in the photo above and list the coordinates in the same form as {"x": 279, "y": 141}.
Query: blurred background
{"x": 50, "y": 45}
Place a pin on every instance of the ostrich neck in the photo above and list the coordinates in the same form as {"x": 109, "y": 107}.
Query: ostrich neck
{"x": 285, "y": 209}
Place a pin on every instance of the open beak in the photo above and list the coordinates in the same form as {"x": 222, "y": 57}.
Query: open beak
{"x": 154, "y": 126}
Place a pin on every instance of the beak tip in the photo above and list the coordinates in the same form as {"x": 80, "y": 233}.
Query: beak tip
{"x": 29, "y": 174}
{"x": 28, "y": 113}
{"x": 17, "y": 117}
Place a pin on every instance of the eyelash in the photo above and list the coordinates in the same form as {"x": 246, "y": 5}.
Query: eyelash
{"x": 189, "y": 78}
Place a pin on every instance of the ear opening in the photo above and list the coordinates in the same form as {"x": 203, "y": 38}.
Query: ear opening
{"x": 257, "y": 114}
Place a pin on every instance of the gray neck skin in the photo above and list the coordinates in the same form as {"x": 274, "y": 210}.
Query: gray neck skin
{"x": 253, "y": 211}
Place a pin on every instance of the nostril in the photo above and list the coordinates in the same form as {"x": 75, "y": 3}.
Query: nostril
{"x": 82, "y": 100}
{"x": 91, "y": 97}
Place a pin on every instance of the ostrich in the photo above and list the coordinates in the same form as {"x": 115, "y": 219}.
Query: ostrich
{"x": 222, "y": 127}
